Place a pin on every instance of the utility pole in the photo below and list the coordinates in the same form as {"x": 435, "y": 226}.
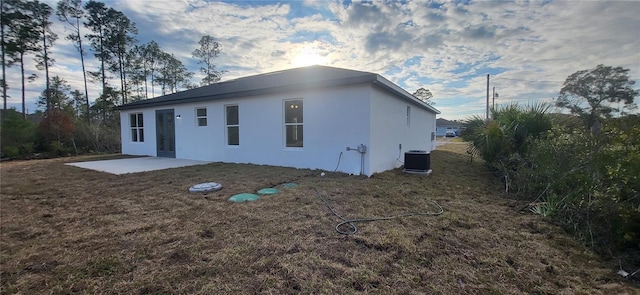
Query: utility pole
{"x": 487, "y": 97}
{"x": 493, "y": 102}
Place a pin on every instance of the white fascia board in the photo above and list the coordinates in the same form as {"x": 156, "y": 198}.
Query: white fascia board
{"x": 390, "y": 86}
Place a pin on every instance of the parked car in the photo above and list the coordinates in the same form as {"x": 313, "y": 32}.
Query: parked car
{"x": 450, "y": 133}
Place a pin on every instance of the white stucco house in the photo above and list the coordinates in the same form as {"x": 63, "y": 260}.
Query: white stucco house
{"x": 304, "y": 117}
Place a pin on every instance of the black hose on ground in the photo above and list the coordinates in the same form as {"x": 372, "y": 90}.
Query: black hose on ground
{"x": 353, "y": 229}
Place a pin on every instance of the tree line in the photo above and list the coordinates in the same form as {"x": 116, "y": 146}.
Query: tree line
{"x": 127, "y": 70}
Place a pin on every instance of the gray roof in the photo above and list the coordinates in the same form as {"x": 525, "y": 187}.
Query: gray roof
{"x": 311, "y": 77}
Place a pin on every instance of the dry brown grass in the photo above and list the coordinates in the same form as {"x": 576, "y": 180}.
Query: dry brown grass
{"x": 65, "y": 230}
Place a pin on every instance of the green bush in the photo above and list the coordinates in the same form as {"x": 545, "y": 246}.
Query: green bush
{"x": 59, "y": 149}
{"x": 59, "y": 133}
{"x": 54, "y": 135}
{"x": 10, "y": 152}
{"x": 97, "y": 137}
{"x": 18, "y": 135}
{"x": 590, "y": 182}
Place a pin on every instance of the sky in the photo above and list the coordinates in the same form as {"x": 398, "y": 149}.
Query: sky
{"x": 528, "y": 48}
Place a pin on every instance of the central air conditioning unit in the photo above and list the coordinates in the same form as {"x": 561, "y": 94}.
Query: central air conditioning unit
{"x": 416, "y": 161}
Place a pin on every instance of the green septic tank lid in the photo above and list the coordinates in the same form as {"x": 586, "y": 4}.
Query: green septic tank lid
{"x": 243, "y": 197}
{"x": 269, "y": 191}
{"x": 290, "y": 185}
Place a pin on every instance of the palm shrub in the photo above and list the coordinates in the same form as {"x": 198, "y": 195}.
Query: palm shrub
{"x": 503, "y": 140}
{"x": 486, "y": 138}
{"x": 521, "y": 124}
{"x": 508, "y": 131}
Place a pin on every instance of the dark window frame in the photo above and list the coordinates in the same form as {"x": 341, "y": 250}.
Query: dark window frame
{"x": 201, "y": 119}
{"x": 293, "y": 123}
{"x": 232, "y": 126}
{"x": 136, "y": 121}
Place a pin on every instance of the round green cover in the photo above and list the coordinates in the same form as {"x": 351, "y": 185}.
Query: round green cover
{"x": 243, "y": 197}
{"x": 269, "y": 191}
{"x": 290, "y": 185}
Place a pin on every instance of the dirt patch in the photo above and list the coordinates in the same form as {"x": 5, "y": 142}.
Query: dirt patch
{"x": 64, "y": 229}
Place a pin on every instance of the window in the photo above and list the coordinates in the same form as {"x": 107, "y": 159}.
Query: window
{"x": 233, "y": 125}
{"x": 408, "y": 116}
{"x": 201, "y": 116}
{"x": 293, "y": 123}
{"x": 137, "y": 130}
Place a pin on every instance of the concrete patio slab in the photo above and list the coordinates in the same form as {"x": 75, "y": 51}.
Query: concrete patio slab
{"x": 135, "y": 165}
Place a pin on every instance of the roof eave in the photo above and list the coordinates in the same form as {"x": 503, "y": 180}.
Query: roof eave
{"x": 389, "y": 86}
{"x": 253, "y": 92}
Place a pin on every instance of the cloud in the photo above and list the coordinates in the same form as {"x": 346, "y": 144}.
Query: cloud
{"x": 479, "y": 32}
{"x": 364, "y": 15}
{"x": 386, "y": 41}
{"x": 278, "y": 53}
{"x": 529, "y": 48}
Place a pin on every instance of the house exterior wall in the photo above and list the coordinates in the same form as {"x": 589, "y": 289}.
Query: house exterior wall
{"x": 390, "y": 129}
{"x": 332, "y": 120}
{"x": 148, "y": 146}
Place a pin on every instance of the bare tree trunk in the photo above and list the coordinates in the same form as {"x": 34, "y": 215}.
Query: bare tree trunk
{"x": 152, "y": 91}
{"x": 126, "y": 87}
{"x": 122, "y": 83}
{"x": 4, "y": 69}
{"x": 24, "y": 113}
{"x": 84, "y": 72}
{"x": 104, "y": 77}
{"x": 46, "y": 65}
{"x": 146, "y": 91}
